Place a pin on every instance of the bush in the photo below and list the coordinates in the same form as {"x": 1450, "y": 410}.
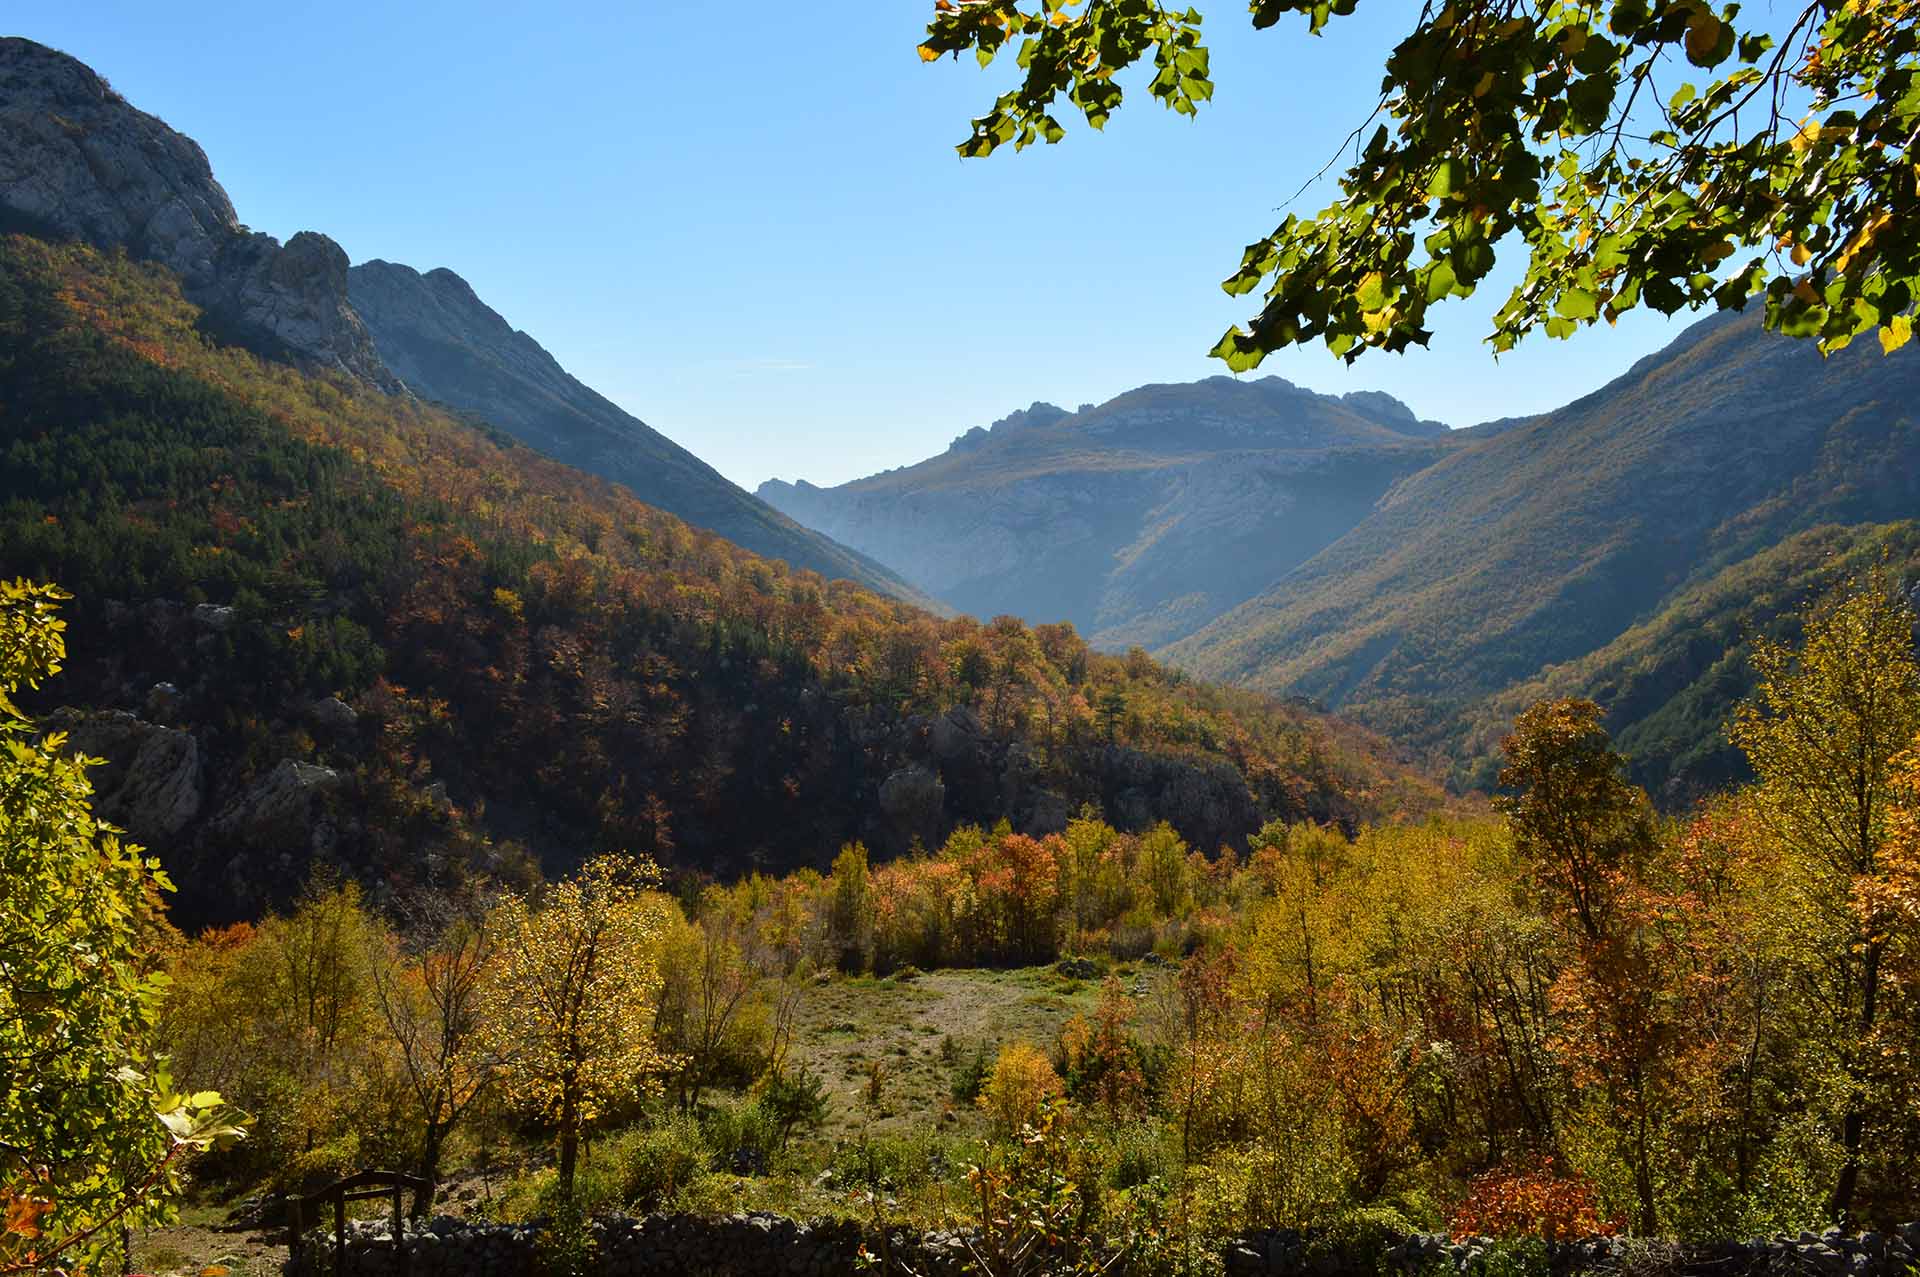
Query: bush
{"x": 1536, "y": 1199}
{"x": 898, "y": 1163}
{"x": 1140, "y": 1156}
{"x": 1021, "y": 1083}
{"x": 971, "y": 1075}
{"x": 795, "y": 1101}
{"x": 654, "y": 1164}
{"x": 742, "y": 1135}
{"x": 564, "y": 1246}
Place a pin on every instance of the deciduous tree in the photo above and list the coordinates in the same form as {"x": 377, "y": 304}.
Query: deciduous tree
{"x": 569, "y": 1008}
{"x": 1665, "y": 153}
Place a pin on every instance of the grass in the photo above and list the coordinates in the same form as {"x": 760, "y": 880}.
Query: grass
{"x": 848, "y": 1025}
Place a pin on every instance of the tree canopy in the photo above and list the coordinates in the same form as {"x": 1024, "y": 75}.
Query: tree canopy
{"x": 1663, "y": 153}
{"x": 91, "y": 1129}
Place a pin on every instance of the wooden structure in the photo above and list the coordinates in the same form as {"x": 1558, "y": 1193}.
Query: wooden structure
{"x": 363, "y": 1186}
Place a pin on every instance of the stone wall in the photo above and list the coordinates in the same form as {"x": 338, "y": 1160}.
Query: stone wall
{"x": 764, "y": 1245}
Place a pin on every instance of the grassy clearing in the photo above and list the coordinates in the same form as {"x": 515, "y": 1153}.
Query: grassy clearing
{"x": 849, "y": 1025}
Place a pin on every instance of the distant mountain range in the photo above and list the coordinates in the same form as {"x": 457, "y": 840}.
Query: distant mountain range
{"x": 1423, "y": 581}
{"x": 77, "y": 160}
{"x": 1140, "y": 519}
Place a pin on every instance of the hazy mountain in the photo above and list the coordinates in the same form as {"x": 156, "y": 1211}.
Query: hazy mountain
{"x": 1547, "y": 541}
{"x": 78, "y": 161}
{"x": 1139, "y": 519}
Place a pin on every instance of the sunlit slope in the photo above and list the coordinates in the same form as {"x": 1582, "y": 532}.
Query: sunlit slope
{"x": 1545, "y": 542}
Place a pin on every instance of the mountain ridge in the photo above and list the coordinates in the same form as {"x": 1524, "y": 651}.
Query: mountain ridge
{"x": 450, "y": 347}
{"x": 1096, "y": 516}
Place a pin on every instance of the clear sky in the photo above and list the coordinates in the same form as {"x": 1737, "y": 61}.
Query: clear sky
{"x": 746, "y": 224}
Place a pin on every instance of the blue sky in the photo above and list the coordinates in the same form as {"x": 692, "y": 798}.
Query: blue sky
{"x": 747, "y": 224}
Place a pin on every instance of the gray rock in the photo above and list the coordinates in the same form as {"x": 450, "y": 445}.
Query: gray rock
{"x": 332, "y": 714}
{"x": 283, "y": 798}
{"x": 150, "y": 781}
{"x": 213, "y": 616}
{"x": 76, "y": 159}
{"x": 915, "y": 800}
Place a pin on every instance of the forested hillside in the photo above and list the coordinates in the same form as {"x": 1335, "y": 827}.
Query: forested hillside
{"x": 1139, "y": 519}
{"x": 452, "y": 348}
{"x": 318, "y": 623}
{"x": 1545, "y": 542}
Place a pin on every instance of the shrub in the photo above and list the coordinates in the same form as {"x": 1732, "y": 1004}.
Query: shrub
{"x": 897, "y": 1163}
{"x": 564, "y": 1246}
{"x": 971, "y": 1075}
{"x": 1022, "y": 1082}
{"x": 1531, "y": 1200}
{"x": 654, "y": 1164}
{"x": 1140, "y": 1155}
{"x": 742, "y": 1135}
{"x": 794, "y": 1101}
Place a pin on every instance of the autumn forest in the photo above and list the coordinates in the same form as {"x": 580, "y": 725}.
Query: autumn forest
{"x": 447, "y": 829}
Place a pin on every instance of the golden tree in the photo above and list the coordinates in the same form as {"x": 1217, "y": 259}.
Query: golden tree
{"x": 569, "y": 1008}
{"x": 1822, "y": 730}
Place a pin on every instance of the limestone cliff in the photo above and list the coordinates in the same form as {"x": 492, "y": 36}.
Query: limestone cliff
{"x": 77, "y": 160}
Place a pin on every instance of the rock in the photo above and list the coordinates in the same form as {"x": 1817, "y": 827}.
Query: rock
{"x": 1078, "y": 968}
{"x": 150, "y": 782}
{"x": 277, "y": 804}
{"x": 212, "y": 616}
{"x": 332, "y": 714}
{"x": 76, "y": 159}
{"x": 162, "y": 700}
{"x": 914, "y": 800}
{"x": 1049, "y": 814}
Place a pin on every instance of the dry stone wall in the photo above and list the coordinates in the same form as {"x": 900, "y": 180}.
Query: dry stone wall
{"x": 757, "y": 1244}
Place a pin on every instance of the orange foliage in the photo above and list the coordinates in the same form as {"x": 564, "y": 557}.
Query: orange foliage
{"x": 1530, "y": 1200}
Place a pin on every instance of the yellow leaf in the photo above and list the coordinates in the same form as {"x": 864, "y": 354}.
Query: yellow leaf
{"x": 1804, "y": 291}
{"x": 1896, "y": 334}
{"x": 1801, "y": 254}
{"x": 928, "y": 55}
{"x": 1481, "y": 89}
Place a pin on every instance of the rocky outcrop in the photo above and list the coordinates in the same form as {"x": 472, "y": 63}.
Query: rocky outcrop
{"x": 280, "y": 805}
{"x": 77, "y": 160}
{"x": 150, "y": 781}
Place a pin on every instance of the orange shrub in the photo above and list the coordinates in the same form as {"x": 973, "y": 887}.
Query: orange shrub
{"x": 1536, "y": 1200}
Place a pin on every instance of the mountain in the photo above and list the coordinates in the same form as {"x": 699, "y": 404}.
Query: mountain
{"x": 319, "y": 624}
{"x": 1546, "y": 542}
{"x": 1667, "y": 681}
{"x": 449, "y": 346}
{"x": 1140, "y": 519}
{"x": 78, "y": 161}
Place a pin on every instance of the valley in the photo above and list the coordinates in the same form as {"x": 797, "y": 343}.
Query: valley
{"x": 1220, "y": 829}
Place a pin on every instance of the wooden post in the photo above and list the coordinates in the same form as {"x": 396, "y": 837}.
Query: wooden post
{"x": 339, "y": 1234}
{"x": 400, "y": 1264}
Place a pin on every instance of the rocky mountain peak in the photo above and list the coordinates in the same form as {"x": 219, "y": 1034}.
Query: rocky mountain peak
{"x": 78, "y": 161}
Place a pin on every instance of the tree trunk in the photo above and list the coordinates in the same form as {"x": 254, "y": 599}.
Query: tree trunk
{"x": 569, "y": 1133}
{"x": 1853, "y": 1125}
{"x": 430, "y": 1150}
